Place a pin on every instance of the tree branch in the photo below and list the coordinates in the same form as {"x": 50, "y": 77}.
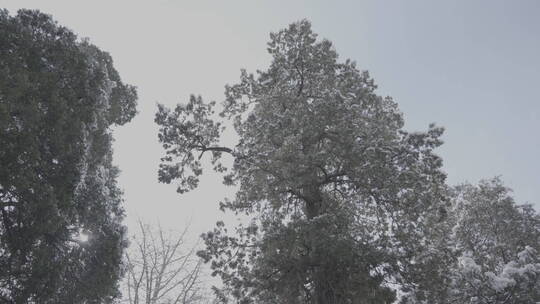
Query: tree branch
{"x": 214, "y": 149}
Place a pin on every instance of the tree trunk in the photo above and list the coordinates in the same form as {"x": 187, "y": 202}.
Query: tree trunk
{"x": 321, "y": 292}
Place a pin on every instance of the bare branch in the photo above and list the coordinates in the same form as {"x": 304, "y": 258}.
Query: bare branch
{"x": 161, "y": 269}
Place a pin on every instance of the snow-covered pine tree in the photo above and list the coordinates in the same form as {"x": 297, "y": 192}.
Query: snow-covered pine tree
{"x": 337, "y": 190}
{"x": 487, "y": 250}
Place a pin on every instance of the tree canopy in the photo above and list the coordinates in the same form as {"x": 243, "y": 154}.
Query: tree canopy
{"x": 337, "y": 190}
{"x": 485, "y": 251}
{"x": 61, "y": 237}
{"x": 345, "y": 206}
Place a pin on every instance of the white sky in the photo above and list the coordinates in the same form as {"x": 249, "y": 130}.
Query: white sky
{"x": 470, "y": 66}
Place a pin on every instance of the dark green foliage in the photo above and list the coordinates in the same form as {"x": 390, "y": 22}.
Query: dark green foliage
{"x": 59, "y": 96}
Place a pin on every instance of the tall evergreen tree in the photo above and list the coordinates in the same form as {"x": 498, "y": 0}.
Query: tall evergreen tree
{"x": 338, "y": 192}
{"x": 61, "y": 236}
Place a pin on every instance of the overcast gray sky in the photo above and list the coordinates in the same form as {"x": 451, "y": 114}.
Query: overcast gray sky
{"x": 470, "y": 66}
